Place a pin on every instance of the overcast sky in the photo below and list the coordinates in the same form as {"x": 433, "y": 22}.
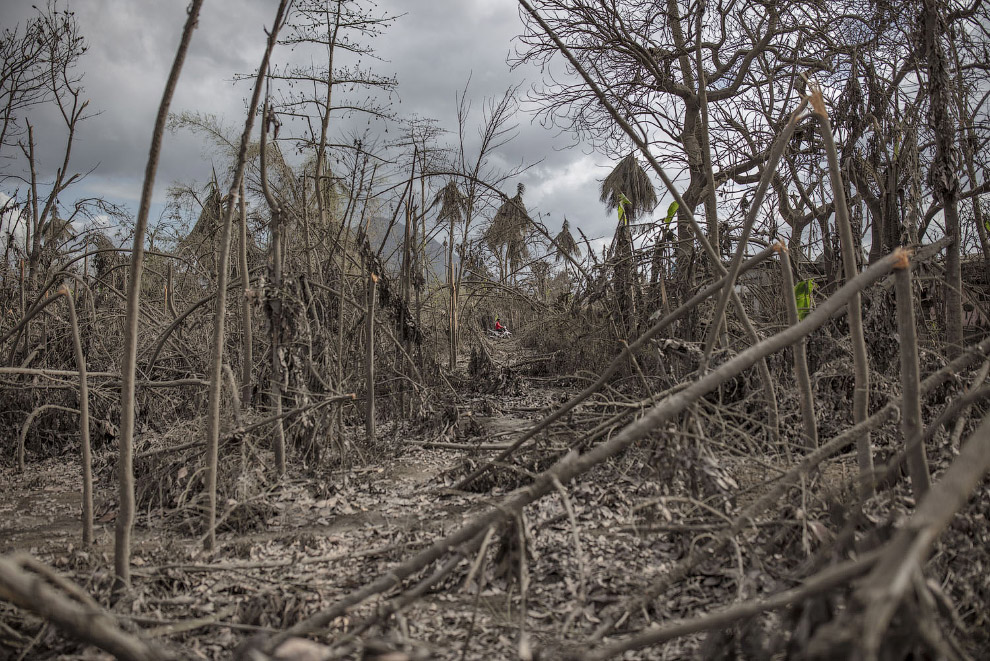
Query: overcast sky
{"x": 433, "y": 48}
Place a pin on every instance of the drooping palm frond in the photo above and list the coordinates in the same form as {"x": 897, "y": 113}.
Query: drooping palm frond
{"x": 107, "y": 258}
{"x": 566, "y": 245}
{"x": 474, "y": 264}
{"x": 628, "y": 178}
{"x": 452, "y": 202}
{"x": 210, "y": 215}
{"x": 202, "y": 240}
{"x": 516, "y": 252}
{"x": 510, "y": 221}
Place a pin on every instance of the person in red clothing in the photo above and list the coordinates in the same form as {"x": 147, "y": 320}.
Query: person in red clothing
{"x": 498, "y": 326}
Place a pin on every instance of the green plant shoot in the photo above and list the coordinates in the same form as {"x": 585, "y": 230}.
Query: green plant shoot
{"x": 802, "y": 295}
{"x": 623, "y": 201}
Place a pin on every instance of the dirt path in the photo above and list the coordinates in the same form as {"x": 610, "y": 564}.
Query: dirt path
{"x": 40, "y": 507}
{"x": 323, "y": 538}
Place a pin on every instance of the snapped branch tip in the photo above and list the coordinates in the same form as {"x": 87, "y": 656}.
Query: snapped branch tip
{"x": 816, "y": 98}
{"x": 902, "y": 258}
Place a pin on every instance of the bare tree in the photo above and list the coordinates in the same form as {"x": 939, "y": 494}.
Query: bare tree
{"x": 332, "y": 30}
{"x": 125, "y": 468}
{"x": 666, "y": 67}
{"x": 223, "y": 268}
{"x": 37, "y": 65}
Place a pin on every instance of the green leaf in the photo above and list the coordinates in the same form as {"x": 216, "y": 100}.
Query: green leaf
{"x": 803, "y": 298}
{"x": 623, "y": 201}
{"x": 671, "y": 210}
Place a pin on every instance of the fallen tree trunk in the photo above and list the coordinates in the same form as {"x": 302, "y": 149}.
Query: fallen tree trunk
{"x": 30, "y": 592}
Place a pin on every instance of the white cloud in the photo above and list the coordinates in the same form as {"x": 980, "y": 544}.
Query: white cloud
{"x": 11, "y": 223}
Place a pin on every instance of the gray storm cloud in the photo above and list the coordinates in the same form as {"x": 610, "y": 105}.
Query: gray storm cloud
{"x": 433, "y": 49}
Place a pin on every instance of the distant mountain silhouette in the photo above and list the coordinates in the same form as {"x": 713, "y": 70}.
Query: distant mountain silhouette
{"x": 435, "y": 255}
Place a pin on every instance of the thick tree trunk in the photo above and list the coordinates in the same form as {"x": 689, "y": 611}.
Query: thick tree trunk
{"x": 801, "y": 376}
{"x": 942, "y": 175}
{"x": 274, "y": 304}
{"x": 276, "y": 320}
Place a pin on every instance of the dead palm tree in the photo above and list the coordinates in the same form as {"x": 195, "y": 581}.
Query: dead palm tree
{"x": 452, "y": 207}
{"x": 452, "y": 204}
{"x": 507, "y": 233}
{"x": 628, "y": 189}
{"x": 565, "y": 243}
{"x": 451, "y": 201}
{"x": 628, "y": 179}
{"x": 202, "y": 241}
{"x": 567, "y": 247}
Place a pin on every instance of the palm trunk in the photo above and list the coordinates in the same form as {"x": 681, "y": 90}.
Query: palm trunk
{"x": 247, "y": 337}
{"x": 369, "y": 381}
{"x": 275, "y": 305}
{"x": 452, "y": 321}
